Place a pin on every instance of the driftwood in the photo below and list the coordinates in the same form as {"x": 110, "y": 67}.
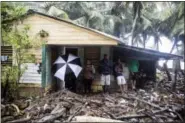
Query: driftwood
{"x": 153, "y": 117}
{"x": 98, "y": 103}
{"x": 139, "y": 116}
{"x": 24, "y": 120}
{"x": 77, "y": 111}
{"x": 65, "y": 106}
{"x": 7, "y": 118}
{"x": 53, "y": 116}
{"x": 92, "y": 119}
{"x": 151, "y": 104}
{"x": 111, "y": 115}
{"x": 16, "y": 107}
{"x": 131, "y": 116}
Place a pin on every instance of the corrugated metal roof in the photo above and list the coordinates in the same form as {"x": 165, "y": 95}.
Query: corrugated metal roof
{"x": 150, "y": 52}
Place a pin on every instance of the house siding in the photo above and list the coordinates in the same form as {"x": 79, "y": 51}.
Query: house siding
{"x": 62, "y": 33}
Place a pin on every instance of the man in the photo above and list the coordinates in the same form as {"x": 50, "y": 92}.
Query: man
{"x": 133, "y": 67}
{"x": 119, "y": 76}
{"x": 105, "y": 70}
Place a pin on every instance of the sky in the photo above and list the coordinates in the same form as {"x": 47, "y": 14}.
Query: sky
{"x": 165, "y": 47}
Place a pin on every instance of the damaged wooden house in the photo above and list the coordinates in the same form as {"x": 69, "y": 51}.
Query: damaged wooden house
{"x": 66, "y": 37}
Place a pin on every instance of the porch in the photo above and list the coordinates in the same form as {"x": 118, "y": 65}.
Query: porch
{"x": 93, "y": 53}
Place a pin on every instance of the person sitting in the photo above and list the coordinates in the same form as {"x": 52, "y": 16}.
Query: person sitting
{"x": 89, "y": 72}
{"x": 119, "y": 76}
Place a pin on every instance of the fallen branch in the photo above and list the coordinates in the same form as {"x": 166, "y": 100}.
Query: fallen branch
{"x": 98, "y": 103}
{"x": 20, "y": 120}
{"x": 111, "y": 115}
{"x": 152, "y": 117}
{"x": 93, "y": 119}
{"x": 151, "y": 104}
{"x": 16, "y": 107}
{"x": 131, "y": 116}
{"x": 6, "y": 118}
{"x": 53, "y": 116}
{"x": 138, "y": 116}
{"x": 77, "y": 111}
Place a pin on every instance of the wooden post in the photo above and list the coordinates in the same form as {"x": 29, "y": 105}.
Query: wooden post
{"x": 48, "y": 67}
{"x": 43, "y": 65}
{"x": 155, "y": 69}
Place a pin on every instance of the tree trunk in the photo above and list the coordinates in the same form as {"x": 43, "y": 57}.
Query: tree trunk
{"x": 174, "y": 80}
{"x": 176, "y": 70}
{"x": 157, "y": 46}
{"x": 144, "y": 43}
{"x": 134, "y": 25}
{"x": 174, "y": 44}
{"x": 19, "y": 73}
{"x": 167, "y": 72}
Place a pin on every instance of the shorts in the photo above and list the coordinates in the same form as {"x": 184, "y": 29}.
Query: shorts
{"x": 105, "y": 79}
{"x": 121, "y": 80}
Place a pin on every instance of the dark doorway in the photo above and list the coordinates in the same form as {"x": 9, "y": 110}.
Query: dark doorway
{"x": 73, "y": 51}
{"x": 70, "y": 78}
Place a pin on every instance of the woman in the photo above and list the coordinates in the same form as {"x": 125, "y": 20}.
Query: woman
{"x": 89, "y": 72}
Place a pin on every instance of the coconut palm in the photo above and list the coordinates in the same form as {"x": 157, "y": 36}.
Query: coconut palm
{"x": 138, "y": 20}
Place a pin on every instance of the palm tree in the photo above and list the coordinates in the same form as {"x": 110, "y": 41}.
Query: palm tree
{"x": 138, "y": 20}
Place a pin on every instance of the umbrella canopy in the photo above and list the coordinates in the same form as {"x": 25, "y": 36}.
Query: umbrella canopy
{"x": 67, "y": 64}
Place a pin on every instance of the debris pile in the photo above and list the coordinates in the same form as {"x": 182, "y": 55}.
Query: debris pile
{"x": 66, "y": 106}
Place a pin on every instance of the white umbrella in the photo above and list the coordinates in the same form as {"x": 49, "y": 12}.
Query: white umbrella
{"x": 67, "y": 64}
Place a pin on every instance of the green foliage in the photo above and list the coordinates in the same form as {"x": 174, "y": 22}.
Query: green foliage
{"x": 9, "y": 81}
{"x": 18, "y": 38}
